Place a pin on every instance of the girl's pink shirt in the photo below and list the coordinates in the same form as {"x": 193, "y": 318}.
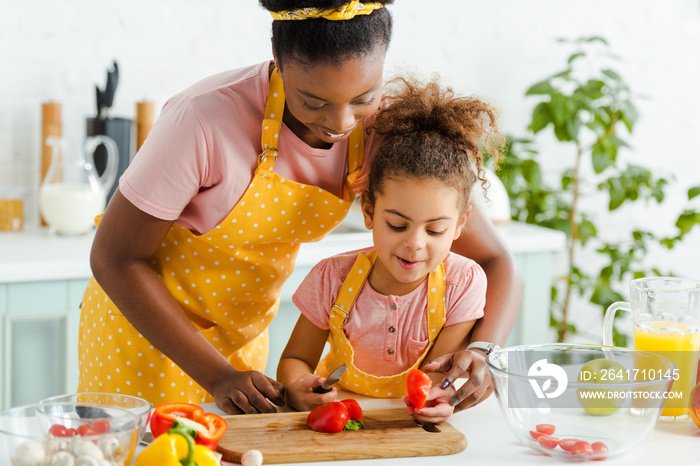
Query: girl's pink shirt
{"x": 202, "y": 152}
{"x": 371, "y": 318}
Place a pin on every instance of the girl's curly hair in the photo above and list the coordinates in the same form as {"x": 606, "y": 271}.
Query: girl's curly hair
{"x": 429, "y": 132}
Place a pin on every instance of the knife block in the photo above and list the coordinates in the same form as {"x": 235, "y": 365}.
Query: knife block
{"x": 119, "y": 129}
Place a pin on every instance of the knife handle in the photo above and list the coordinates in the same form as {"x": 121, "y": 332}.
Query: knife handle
{"x": 320, "y": 389}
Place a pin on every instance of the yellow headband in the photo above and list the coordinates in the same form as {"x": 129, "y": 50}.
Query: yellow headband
{"x": 347, "y": 11}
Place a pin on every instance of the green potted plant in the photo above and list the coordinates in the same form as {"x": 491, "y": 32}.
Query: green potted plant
{"x": 590, "y": 109}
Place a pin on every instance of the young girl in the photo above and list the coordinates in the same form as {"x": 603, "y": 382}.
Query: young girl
{"x": 388, "y": 308}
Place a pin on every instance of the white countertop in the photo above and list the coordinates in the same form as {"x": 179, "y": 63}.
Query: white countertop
{"x": 35, "y": 255}
{"x": 490, "y": 442}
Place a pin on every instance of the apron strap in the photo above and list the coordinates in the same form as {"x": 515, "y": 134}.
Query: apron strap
{"x": 272, "y": 122}
{"x": 356, "y": 150}
{"x": 436, "y": 302}
{"x": 351, "y": 287}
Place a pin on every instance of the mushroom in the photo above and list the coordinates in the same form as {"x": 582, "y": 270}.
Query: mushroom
{"x": 29, "y": 453}
{"x": 85, "y": 460}
{"x": 252, "y": 458}
{"x": 86, "y": 448}
{"x": 111, "y": 448}
{"x": 62, "y": 458}
{"x": 53, "y": 444}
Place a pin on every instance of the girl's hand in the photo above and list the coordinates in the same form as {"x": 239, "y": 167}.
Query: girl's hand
{"x": 249, "y": 392}
{"x": 437, "y": 406}
{"x": 301, "y": 397}
{"x": 467, "y": 364}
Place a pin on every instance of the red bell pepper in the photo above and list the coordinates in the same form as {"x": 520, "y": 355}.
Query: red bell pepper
{"x": 331, "y": 418}
{"x": 209, "y": 427}
{"x": 417, "y": 387}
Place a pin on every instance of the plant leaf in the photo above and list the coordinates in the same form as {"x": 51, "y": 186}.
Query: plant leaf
{"x": 541, "y": 88}
{"x": 575, "y": 56}
{"x": 693, "y": 192}
{"x": 541, "y": 117}
{"x": 597, "y": 39}
{"x": 612, "y": 74}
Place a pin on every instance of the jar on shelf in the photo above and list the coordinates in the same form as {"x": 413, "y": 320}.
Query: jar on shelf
{"x": 11, "y": 208}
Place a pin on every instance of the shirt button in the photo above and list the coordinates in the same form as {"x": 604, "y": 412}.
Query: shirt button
{"x": 393, "y": 306}
{"x": 390, "y": 351}
{"x": 392, "y": 329}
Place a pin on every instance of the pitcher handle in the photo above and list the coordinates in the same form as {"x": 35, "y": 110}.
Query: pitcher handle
{"x": 109, "y": 176}
{"x": 608, "y": 321}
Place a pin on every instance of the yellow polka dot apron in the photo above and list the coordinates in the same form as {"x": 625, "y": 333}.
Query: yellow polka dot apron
{"x": 341, "y": 350}
{"x": 227, "y": 280}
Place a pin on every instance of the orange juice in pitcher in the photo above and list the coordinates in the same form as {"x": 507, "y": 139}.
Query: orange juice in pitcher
{"x": 680, "y": 343}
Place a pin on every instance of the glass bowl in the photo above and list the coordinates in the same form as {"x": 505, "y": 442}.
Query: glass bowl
{"x": 138, "y": 406}
{"x": 42, "y": 434}
{"x": 599, "y": 401}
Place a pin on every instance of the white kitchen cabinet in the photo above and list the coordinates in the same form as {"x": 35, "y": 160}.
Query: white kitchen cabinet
{"x": 39, "y": 331}
{"x": 42, "y": 280}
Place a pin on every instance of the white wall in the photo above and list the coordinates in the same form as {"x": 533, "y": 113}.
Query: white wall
{"x": 493, "y": 48}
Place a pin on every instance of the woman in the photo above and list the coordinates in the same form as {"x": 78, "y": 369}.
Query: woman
{"x": 192, "y": 251}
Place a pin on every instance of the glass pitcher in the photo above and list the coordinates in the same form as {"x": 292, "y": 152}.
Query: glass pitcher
{"x": 72, "y": 193}
{"x": 666, "y": 318}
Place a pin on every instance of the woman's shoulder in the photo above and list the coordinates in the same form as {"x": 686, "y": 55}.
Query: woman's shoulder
{"x": 251, "y": 81}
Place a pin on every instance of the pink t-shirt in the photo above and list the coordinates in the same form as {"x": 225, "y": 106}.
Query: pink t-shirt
{"x": 371, "y": 318}
{"x": 202, "y": 152}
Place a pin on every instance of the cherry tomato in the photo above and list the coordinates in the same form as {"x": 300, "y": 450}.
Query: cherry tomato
{"x": 57, "y": 430}
{"x": 101, "y": 427}
{"x": 567, "y": 444}
{"x": 582, "y": 448}
{"x": 354, "y": 409}
{"x": 536, "y": 435}
{"x": 86, "y": 429}
{"x": 70, "y": 432}
{"x": 329, "y": 418}
{"x": 545, "y": 428}
{"x": 417, "y": 387}
{"x": 599, "y": 448}
{"x": 548, "y": 442}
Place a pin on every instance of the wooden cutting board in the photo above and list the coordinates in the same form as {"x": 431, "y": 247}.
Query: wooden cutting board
{"x": 285, "y": 438}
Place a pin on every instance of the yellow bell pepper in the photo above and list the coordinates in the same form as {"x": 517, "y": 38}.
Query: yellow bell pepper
{"x": 176, "y": 448}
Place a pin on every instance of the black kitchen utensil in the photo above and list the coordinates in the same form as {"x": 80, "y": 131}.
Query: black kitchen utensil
{"x": 105, "y": 98}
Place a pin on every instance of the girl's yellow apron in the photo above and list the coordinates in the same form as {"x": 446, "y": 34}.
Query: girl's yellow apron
{"x": 227, "y": 280}
{"x": 341, "y": 350}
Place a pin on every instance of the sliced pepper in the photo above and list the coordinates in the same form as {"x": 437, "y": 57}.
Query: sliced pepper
{"x": 176, "y": 447}
{"x": 209, "y": 427}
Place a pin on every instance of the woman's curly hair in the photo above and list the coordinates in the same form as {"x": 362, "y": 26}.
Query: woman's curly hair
{"x": 428, "y": 132}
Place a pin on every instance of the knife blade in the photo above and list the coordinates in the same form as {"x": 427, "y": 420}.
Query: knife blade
{"x": 427, "y": 426}
{"x": 331, "y": 380}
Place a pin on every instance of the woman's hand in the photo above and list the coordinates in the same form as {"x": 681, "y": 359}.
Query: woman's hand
{"x": 467, "y": 364}
{"x": 301, "y": 397}
{"x": 437, "y": 406}
{"x": 248, "y": 392}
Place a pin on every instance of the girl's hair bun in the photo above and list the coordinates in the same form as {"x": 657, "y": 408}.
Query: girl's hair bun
{"x": 426, "y": 131}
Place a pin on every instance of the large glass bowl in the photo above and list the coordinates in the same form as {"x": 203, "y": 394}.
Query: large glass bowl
{"x": 587, "y": 393}
{"x": 138, "y": 406}
{"x": 36, "y": 434}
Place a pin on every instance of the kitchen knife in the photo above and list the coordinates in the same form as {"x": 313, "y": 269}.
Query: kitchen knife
{"x": 331, "y": 380}
{"x": 427, "y": 426}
